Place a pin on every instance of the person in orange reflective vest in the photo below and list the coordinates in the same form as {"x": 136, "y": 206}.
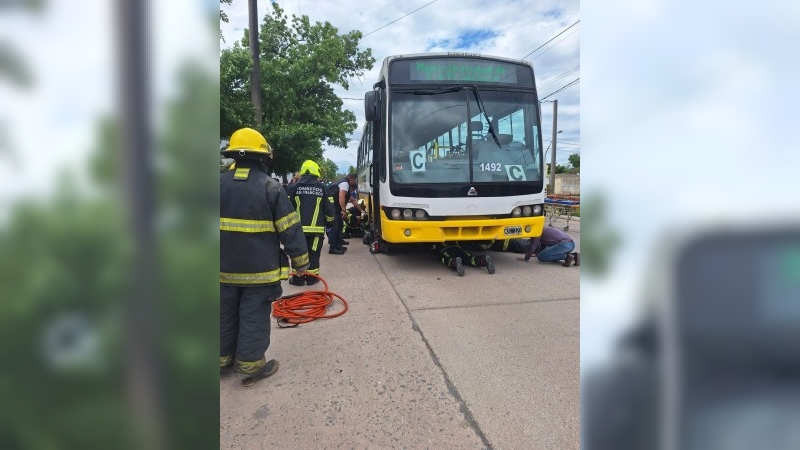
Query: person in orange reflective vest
{"x": 256, "y": 219}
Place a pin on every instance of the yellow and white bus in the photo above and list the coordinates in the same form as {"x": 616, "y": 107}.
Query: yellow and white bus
{"x": 451, "y": 151}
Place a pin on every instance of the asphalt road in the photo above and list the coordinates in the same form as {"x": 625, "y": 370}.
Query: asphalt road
{"x": 422, "y": 359}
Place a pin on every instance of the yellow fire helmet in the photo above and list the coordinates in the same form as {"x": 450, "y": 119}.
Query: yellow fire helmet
{"x": 311, "y": 167}
{"x": 246, "y": 141}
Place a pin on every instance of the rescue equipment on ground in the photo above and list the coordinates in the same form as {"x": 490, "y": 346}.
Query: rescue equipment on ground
{"x": 302, "y": 307}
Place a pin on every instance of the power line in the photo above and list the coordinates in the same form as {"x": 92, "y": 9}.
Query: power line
{"x": 554, "y": 45}
{"x": 562, "y": 143}
{"x": 571, "y": 83}
{"x": 412, "y": 12}
{"x": 560, "y": 77}
{"x": 559, "y": 34}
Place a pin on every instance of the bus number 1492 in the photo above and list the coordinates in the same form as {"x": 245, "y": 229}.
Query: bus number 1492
{"x": 491, "y": 167}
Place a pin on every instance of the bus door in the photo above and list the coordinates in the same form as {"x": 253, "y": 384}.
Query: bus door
{"x": 373, "y": 106}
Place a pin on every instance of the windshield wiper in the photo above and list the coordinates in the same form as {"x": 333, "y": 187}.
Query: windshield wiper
{"x": 485, "y": 116}
{"x": 436, "y": 91}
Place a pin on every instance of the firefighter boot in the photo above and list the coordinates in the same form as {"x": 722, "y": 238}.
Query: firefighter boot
{"x": 456, "y": 264}
{"x": 311, "y": 280}
{"x": 489, "y": 264}
{"x": 268, "y": 369}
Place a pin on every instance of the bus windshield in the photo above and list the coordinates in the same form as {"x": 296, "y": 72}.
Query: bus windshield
{"x": 442, "y": 136}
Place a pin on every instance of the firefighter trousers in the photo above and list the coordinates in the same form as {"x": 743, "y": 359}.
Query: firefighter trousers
{"x": 244, "y": 324}
{"x": 314, "y": 243}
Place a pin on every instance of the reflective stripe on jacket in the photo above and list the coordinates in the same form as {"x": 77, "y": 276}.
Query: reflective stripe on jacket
{"x": 312, "y": 203}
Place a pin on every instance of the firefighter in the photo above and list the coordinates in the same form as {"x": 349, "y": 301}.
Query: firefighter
{"x": 354, "y": 224}
{"x": 454, "y": 256}
{"x": 311, "y": 201}
{"x": 255, "y": 219}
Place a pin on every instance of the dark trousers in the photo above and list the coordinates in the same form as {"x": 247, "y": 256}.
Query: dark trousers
{"x": 335, "y": 235}
{"x": 448, "y": 255}
{"x": 244, "y": 323}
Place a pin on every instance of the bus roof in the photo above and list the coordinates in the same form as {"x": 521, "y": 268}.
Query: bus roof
{"x": 390, "y": 58}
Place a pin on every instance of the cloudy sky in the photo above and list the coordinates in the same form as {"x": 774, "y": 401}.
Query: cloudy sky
{"x": 514, "y": 29}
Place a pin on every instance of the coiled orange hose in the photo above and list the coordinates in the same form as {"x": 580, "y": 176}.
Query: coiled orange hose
{"x": 292, "y": 310}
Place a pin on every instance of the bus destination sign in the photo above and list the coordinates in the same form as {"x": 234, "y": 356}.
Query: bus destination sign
{"x": 463, "y": 70}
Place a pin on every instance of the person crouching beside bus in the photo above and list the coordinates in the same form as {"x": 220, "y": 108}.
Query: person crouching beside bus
{"x": 553, "y": 245}
{"x": 354, "y": 224}
{"x": 454, "y": 256}
{"x": 311, "y": 201}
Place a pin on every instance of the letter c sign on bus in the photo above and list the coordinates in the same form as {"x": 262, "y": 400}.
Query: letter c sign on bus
{"x": 417, "y": 158}
{"x": 515, "y": 172}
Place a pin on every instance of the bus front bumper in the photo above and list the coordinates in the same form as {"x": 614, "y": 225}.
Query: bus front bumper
{"x": 459, "y": 229}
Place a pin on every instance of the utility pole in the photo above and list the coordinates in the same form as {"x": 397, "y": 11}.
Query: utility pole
{"x": 552, "y": 188}
{"x": 255, "y": 76}
{"x": 142, "y": 307}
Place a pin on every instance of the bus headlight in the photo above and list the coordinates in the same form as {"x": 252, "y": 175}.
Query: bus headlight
{"x": 396, "y": 214}
{"x": 526, "y": 210}
{"x": 516, "y": 212}
{"x": 537, "y": 210}
{"x": 408, "y": 214}
{"x": 419, "y": 215}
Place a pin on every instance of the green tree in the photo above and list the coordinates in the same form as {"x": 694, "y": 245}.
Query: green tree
{"x": 561, "y": 169}
{"x": 223, "y": 17}
{"x": 575, "y": 162}
{"x": 300, "y": 64}
{"x": 328, "y": 169}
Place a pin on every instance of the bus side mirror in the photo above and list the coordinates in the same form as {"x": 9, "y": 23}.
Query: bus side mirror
{"x": 372, "y": 103}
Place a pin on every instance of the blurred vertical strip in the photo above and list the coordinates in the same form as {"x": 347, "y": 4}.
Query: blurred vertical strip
{"x": 109, "y": 247}
{"x": 143, "y": 359}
